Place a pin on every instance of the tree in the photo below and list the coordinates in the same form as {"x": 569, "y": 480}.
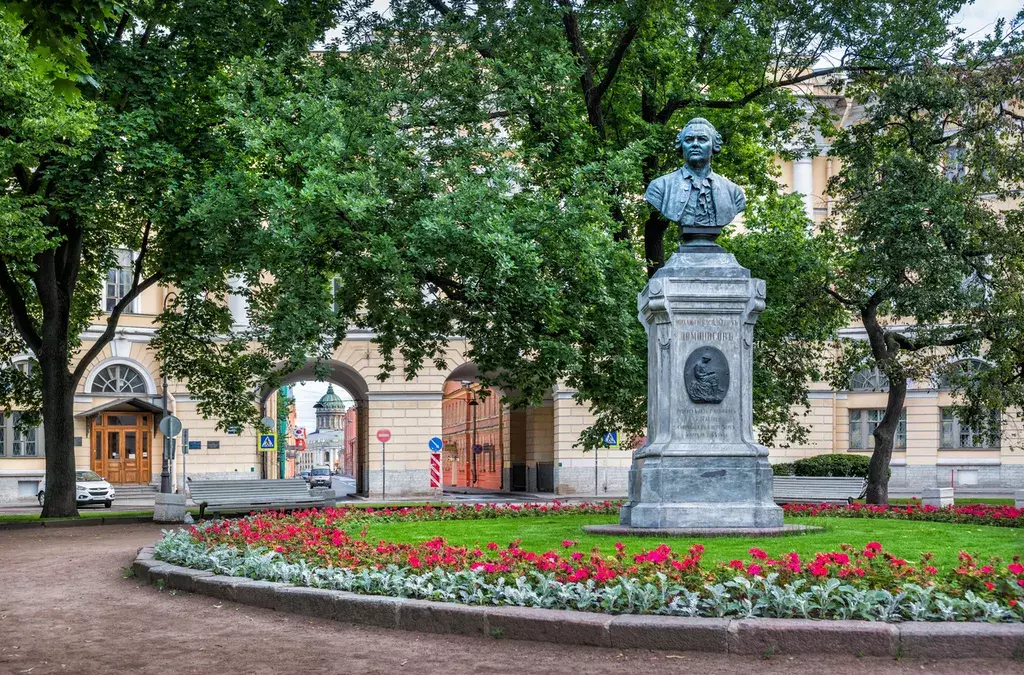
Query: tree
{"x": 502, "y": 166}
{"x": 118, "y": 168}
{"x": 930, "y": 252}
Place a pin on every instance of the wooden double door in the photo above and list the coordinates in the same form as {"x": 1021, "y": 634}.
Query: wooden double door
{"x": 122, "y": 446}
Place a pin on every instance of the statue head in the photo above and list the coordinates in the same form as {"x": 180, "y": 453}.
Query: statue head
{"x": 699, "y": 141}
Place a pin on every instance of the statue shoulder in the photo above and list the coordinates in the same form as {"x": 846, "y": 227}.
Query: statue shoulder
{"x": 658, "y": 187}
{"x": 739, "y": 197}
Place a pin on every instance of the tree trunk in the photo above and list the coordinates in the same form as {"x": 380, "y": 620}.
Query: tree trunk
{"x": 885, "y": 435}
{"x": 58, "y": 435}
{"x": 654, "y": 246}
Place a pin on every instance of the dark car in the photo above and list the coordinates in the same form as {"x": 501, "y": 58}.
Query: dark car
{"x": 305, "y": 476}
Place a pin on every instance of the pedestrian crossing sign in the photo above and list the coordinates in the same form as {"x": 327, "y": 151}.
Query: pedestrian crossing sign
{"x": 268, "y": 442}
{"x": 610, "y": 440}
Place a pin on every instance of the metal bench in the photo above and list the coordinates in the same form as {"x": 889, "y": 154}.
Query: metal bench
{"x": 816, "y": 489}
{"x": 238, "y": 496}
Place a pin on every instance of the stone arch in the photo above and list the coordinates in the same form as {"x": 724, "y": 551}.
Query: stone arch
{"x": 352, "y": 381}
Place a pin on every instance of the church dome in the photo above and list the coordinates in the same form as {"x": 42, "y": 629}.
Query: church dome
{"x": 330, "y": 400}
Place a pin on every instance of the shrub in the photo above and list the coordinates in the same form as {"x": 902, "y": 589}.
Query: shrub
{"x": 837, "y": 465}
{"x": 783, "y": 469}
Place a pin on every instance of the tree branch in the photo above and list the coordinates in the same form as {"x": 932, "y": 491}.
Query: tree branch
{"x": 676, "y": 103}
{"x": 614, "y": 60}
{"x": 16, "y": 304}
{"x": 579, "y": 52}
{"x": 121, "y": 25}
{"x": 112, "y": 320}
{"x": 912, "y": 345}
{"x": 138, "y": 286}
{"x": 842, "y": 299}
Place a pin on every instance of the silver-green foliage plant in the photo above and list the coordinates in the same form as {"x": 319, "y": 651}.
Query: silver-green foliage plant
{"x": 739, "y": 597}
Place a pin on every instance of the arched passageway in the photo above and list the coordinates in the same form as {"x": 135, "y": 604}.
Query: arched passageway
{"x": 338, "y": 438}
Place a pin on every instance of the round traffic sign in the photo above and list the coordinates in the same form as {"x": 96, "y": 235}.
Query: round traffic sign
{"x": 384, "y": 435}
{"x": 268, "y": 422}
{"x": 170, "y": 426}
{"x": 435, "y": 444}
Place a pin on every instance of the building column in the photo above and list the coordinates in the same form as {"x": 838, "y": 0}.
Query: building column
{"x": 803, "y": 182}
{"x": 413, "y": 418}
{"x": 601, "y": 472}
{"x": 238, "y": 304}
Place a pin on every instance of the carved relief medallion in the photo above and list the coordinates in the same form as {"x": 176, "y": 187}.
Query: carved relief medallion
{"x": 706, "y": 375}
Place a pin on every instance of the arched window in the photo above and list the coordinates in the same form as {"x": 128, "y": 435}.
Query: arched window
{"x": 959, "y": 371}
{"x": 869, "y": 379}
{"x": 119, "y": 379}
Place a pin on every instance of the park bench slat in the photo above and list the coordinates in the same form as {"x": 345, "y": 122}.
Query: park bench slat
{"x": 817, "y": 489}
{"x": 222, "y": 495}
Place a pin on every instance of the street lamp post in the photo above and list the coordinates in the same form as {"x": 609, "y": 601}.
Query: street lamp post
{"x": 165, "y": 460}
{"x": 472, "y": 403}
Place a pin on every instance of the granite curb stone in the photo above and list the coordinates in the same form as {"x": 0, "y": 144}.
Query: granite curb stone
{"x": 669, "y": 633}
{"x": 223, "y": 587}
{"x": 804, "y": 636}
{"x": 919, "y": 640}
{"x": 426, "y": 617}
{"x": 550, "y": 625}
{"x": 954, "y": 640}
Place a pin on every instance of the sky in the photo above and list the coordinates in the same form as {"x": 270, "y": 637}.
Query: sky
{"x": 982, "y": 14}
{"x": 306, "y": 395}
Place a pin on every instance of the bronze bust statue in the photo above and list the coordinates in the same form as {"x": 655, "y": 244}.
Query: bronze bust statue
{"x": 697, "y": 198}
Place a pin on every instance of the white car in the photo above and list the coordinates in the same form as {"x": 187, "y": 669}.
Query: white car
{"x": 90, "y": 488}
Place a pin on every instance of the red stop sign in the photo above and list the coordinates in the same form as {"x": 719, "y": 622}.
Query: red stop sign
{"x": 384, "y": 435}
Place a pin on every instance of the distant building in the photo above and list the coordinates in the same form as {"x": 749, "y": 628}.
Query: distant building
{"x": 326, "y": 445}
{"x": 351, "y": 430}
{"x": 472, "y": 432}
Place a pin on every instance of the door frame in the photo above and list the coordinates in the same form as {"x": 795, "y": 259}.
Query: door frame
{"x": 137, "y": 471}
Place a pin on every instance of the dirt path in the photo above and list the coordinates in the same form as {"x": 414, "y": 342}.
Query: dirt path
{"x": 65, "y": 607}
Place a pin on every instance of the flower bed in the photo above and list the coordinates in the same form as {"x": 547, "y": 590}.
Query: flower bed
{"x": 330, "y": 549}
{"x": 968, "y": 514}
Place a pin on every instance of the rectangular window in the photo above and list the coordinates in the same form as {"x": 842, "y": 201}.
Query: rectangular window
{"x": 119, "y": 283}
{"x": 862, "y": 429}
{"x": 3, "y": 436}
{"x": 956, "y": 435}
{"x": 23, "y": 443}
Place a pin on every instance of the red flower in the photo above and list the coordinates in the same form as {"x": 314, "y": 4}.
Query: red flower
{"x": 1016, "y": 568}
{"x": 873, "y": 546}
{"x": 754, "y": 569}
{"x": 757, "y": 553}
{"x": 568, "y": 543}
{"x": 990, "y": 586}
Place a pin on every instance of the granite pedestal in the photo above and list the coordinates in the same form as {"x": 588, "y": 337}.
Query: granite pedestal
{"x": 701, "y": 466}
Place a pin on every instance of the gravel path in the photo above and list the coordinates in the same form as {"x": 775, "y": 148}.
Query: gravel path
{"x": 65, "y": 607}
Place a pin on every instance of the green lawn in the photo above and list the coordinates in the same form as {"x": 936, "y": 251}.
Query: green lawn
{"x": 903, "y": 538}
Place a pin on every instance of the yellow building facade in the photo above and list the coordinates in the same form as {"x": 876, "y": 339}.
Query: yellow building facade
{"x": 122, "y": 398}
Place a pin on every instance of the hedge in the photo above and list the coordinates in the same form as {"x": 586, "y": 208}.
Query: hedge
{"x": 837, "y": 465}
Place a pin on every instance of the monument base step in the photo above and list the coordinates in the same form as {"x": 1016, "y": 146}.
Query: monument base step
{"x": 708, "y": 532}
{"x": 701, "y": 515}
